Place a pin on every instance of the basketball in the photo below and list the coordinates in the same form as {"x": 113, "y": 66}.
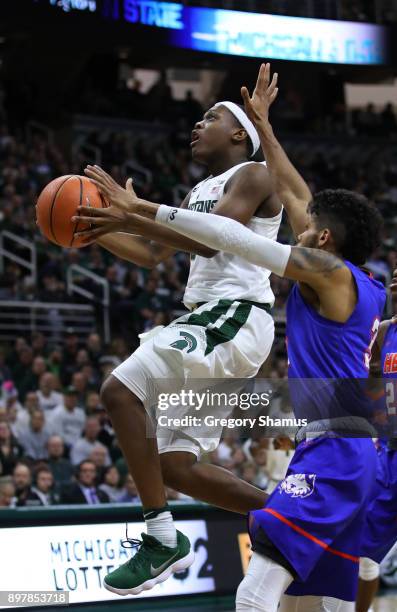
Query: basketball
{"x": 58, "y": 203}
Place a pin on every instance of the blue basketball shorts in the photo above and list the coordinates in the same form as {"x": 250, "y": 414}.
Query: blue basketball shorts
{"x": 315, "y": 517}
{"x": 380, "y": 533}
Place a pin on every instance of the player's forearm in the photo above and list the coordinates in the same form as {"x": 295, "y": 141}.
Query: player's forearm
{"x": 224, "y": 234}
{"x": 130, "y": 248}
{"x": 314, "y": 267}
{"x": 292, "y": 190}
{"x": 144, "y": 225}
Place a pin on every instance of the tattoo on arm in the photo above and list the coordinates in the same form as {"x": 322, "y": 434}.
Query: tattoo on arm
{"x": 314, "y": 260}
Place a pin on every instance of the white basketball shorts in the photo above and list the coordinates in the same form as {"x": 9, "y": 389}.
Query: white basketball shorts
{"x": 221, "y": 339}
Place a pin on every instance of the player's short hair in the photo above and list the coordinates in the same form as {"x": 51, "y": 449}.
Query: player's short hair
{"x": 354, "y": 222}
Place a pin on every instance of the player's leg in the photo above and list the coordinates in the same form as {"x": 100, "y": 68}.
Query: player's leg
{"x": 130, "y": 422}
{"x": 163, "y": 550}
{"x": 210, "y": 483}
{"x": 262, "y": 586}
{"x": 368, "y": 584}
{"x": 380, "y": 528}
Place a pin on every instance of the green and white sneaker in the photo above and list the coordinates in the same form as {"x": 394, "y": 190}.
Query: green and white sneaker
{"x": 152, "y": 563}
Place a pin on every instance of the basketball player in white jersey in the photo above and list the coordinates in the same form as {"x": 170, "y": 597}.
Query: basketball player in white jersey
{"x": 227, "y": 334}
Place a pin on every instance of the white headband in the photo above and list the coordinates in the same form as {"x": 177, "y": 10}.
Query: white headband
{"x": 246, "y": 123}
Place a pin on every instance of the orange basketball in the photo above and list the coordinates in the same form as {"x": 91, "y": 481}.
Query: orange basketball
{"x": 58, "y": 203}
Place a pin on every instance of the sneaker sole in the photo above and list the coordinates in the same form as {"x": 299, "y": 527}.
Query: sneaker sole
{"x": 174, "y": 568}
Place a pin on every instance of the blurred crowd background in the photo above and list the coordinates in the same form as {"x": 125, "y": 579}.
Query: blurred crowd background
{"x": 56, "y": 443}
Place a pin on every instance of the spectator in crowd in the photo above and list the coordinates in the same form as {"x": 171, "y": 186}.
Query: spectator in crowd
{"x": 107, "y": 435}
{"x": 94, "y": 347}
{"x": 7, "y": 492}
{"x": 83, "y": 447}
{"x": 39, "y": 344}
{"x": 84, "y": 490}
{"x": 21, "y": 418}
{"x": 61, "y": 468}
{"x": 48, "y": 396}
{"x": 279, "y": 456}
{"x": 42, "y": 492}
{"x": 34, "y": 436}
{"x": 22, "y": 374}
{"x": 31, "y": 402}
{"x": 39, "y": 366}
{"x": 92, "y": 403}
{"x": 111, "y": 483}
{"x": 10, "y": 450}
{"x": 69, "y": 355}
{"x": 79, "y": 382}
{"x": 9, "y": 396}
{"x": 22, "y": 479}
{"x": 129, "y": 494}
{"x": 67, "y": 419}
{"x": 100, "y": 456}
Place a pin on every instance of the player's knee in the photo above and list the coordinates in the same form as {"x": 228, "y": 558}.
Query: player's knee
{"x": 247, "y": 599}
{"x": 369, "y": 570}
{"x": 177, "y": 469}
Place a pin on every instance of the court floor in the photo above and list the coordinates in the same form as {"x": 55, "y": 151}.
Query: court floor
{"x": 384, "y": 603}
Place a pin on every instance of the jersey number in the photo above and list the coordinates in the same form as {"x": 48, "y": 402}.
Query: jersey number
{"x": 374, "y": 333}
{"x": 391, "y": 400}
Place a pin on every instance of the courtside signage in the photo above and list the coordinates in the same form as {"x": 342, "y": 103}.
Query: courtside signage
{"x": 76, "y": 558}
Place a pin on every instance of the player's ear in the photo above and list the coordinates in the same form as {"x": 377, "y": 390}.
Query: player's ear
{"x": 324, "y": 237}
{"x": 239, "y": 135}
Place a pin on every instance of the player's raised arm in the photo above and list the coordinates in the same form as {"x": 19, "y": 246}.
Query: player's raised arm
{"x": 291, "y": 188}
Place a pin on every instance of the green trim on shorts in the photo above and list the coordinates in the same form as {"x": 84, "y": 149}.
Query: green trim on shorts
{"x": 229, "y": 328}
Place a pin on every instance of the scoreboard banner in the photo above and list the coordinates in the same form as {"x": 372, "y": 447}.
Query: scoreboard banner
{"x": 241, "y": 33}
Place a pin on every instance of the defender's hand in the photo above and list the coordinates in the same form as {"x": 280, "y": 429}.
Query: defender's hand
{"x": 265, "y": 92}
{"x": 124, "y": 199}
{"x": 102, "y": 221}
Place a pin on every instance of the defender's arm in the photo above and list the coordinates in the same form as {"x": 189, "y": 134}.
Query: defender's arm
{"x": 291, "y": 188}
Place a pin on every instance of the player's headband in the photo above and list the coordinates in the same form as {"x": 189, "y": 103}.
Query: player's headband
{"x": 246, "y": 123}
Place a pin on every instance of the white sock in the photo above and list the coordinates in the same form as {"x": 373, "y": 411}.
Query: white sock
{"x": 163, "y": 528}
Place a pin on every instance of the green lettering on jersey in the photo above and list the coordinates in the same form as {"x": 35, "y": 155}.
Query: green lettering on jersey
{"x": 202, "y": 205}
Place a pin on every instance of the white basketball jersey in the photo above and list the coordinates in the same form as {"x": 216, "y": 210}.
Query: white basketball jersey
{"x": 227, "y": 276}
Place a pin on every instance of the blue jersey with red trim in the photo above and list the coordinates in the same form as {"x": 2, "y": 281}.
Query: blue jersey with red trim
{"x": 320, "y": 348}
{"x": 389, "y": 373}
{"x": 389, "y": 351}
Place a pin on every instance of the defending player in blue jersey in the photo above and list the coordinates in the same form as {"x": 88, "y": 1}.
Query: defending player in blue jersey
{"x": 310, "y": 528}
{"x": 380, "y": 532}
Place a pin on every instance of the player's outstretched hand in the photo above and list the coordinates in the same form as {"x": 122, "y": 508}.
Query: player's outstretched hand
{"x": 101, "y": 221}
{"x": 265, "y": 92}
{"x": 125, "y": 199}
